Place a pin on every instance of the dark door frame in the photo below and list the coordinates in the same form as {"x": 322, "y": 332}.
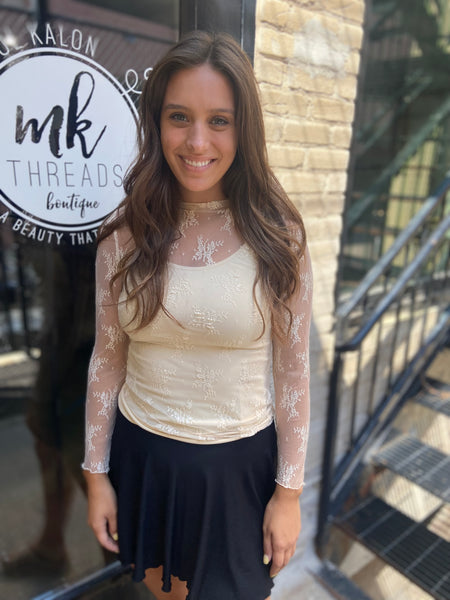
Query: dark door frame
{"x": 236, "y": 17}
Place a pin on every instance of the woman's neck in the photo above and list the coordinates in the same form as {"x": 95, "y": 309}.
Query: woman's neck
{"x": 203, "y": 197}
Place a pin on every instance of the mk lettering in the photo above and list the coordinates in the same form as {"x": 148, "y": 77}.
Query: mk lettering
{"x": 75, "y": 126}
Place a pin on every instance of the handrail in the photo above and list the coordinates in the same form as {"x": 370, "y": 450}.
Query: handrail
{"x": 333, "y": 478}
{"x": 398, "y": 390}
{"x": 70, "y": 591}
{"x": 408, "y": 96}
{"x": 416, "y": 222}
{"x": 398, "y": 287}
{"x": 355, "y": 211}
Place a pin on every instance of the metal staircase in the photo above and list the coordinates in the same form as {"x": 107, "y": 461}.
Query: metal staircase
{"x": 399, "y": 508}
{"x": 400, "y": 148}
{"x": 384, "y": 517}
{"x": 386, "y": 478}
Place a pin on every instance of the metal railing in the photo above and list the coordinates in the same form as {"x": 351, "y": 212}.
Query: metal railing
{"x": 401, "y": 130}
{"x": 387, "y": 333}
{"x": 70, "y": 591}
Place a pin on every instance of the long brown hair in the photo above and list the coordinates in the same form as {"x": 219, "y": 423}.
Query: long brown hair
{"x": 264, "y": 216}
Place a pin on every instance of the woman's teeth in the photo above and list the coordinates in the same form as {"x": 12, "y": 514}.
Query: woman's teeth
{"x": 193, "y": 163}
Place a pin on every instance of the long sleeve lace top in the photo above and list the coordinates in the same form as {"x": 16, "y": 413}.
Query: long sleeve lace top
{"x": 207, "y": 375}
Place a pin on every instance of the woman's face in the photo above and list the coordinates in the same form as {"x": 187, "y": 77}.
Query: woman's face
{"x": 198, "y": 131}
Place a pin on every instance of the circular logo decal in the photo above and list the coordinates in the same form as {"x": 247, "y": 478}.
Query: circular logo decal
{"x": 68, "y": 136}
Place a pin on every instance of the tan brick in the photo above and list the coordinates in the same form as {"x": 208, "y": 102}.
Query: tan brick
{"x": 353, "y": 62}
{"x": 324, "y": 249}
{"x": 286, "y": 156}
{"x": 324, "y": 323}
{"x": 271, "y": 42}
{"x": 269, "y": 70}
{"x": 352, "y": 35}
{"x": 348, "y": 34}
{"x": 275, "y": 100}
{"x": 324, "y": 205}
{"x": 346, "y": 87}
{"x": 299, "y": 78}
{"x": 354, "y": 11}
{"x": 288, "y": 16}
{"x": 341, "y": 136}
{"x": 273, "y": 128}
{"x": 326, "y": 302}
{"x": 318, "y": 205}
{"x": 298, "y": 104}
{"x": 304, "y": 14}
{"x": 337, "y": 182}
{"x": 321, "y": 346}
{"x": 320, "y": 46}
{"x": 323, "y": 228}
{"x": 332, "y": 109}
{"x": 275, "y": 12}
{"x": 331, "y": 23}
{"x": 327, "y": 159}
{"x": 306, "y": 132}
{"x": 303, "y": 200}
{"x": 299, "y": 182}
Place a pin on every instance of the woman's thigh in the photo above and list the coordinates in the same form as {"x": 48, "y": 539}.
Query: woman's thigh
{"x": 153, "y": 580}
{"x": 179, "y": 590}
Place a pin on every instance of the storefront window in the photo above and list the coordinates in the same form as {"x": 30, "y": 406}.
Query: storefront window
{"x": 70, "y": 77}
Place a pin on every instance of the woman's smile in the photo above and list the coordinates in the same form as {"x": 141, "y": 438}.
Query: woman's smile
{"x": 197, "y": 164}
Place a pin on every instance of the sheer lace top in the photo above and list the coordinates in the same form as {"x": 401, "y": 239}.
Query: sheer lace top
{"x": 207, "y": 375}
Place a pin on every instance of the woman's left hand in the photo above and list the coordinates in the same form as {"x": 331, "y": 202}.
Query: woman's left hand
{"x": 281, "y": 528}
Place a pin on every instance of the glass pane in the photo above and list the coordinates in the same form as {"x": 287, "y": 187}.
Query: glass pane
{"x": 68, "y": 90}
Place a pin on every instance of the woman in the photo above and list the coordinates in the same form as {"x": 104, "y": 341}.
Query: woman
{"x": 204, "y": 290}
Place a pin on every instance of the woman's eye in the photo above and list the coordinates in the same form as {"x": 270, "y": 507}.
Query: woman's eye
{"x": 178, "y": 117}
{"x": 219, "y": 121}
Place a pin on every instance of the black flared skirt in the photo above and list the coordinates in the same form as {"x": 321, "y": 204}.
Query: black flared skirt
{"x": 195, "y": 509}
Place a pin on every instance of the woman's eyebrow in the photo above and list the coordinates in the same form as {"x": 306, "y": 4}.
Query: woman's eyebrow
{"x": 175, "y": 106}
{"x": 212, "y": 110}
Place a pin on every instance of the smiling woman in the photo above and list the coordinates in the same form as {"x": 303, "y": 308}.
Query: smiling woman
{"x": 203, "y": 311}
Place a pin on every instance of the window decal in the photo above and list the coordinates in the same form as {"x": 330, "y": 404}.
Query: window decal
{"x": 68, "y": 136}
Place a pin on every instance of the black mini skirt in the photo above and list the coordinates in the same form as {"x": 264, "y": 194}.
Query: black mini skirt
{"x": 195, "y": 509}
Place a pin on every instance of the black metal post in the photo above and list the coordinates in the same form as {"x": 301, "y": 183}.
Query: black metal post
{"x": 329, "y": 454}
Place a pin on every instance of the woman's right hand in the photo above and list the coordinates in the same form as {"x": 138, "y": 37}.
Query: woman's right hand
{"x": 102, "y": 510}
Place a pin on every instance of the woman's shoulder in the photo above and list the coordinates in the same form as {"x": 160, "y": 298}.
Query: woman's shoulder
{"x": 115, "y": 232}
{"x": 296, "y": 230}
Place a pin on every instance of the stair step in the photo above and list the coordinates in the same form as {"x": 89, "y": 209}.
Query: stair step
{"x": 338, "y": 584}
{"x": 408, "y": 546}
{"x": 423, "y": 465}
{"x": 434, "y": 402}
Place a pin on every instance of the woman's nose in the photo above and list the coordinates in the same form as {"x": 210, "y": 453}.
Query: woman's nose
{"x": 197, "y": 140}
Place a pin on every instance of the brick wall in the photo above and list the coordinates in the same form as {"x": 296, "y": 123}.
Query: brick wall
{"x": 307, "y": 56}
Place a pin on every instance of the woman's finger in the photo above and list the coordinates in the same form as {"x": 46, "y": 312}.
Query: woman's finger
{"x": 267, "y": 547}
{"x": 112, "y": 527}
{"x": 104, "y": 538}
{"x": 277, "y": 562}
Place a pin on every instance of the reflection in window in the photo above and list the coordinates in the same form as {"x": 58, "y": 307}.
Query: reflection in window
{"x": 47, "y": 325}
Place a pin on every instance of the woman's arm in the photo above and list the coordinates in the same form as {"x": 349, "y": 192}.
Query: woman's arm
{"x": 107, "y": 371}
{"x": 291, "y": 379}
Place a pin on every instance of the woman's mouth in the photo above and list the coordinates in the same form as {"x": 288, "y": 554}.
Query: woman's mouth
{"x": 197, "y": 163}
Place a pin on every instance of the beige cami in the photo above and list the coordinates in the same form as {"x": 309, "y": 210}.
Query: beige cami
{"x": 212, "y": 373}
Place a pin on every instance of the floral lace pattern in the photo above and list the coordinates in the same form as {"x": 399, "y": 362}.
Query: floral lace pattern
{"x": 233, "y": 379}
